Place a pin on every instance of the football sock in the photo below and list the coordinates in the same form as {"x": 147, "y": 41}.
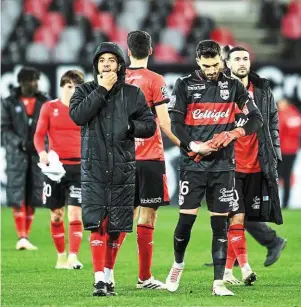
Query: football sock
{"x": 219, "y": 245}
{"x": 29, "y": 218}
{"x": 237, "y": 239}
{"x": 19, "y": 215}
{"x": 230, "y": 255}
{"x": 57, "y": 230}
{"x": 113, "y": 246}
{"x": 108, "y": 275}
{"x": 182, "y": 235}
{"x": 75, "y": 236}
{"x": 145, "y": 250}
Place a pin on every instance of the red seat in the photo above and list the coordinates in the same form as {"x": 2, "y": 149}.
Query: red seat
{"x": 291, "y": 27}
{"x": 104, "y": 22}
{"x": 46, "y": 36}
{"x": 185, "y": 8}
{"x": 119, "y": 36}
{"x": 36, "y": 8}
{"x": 55, "y": 21}
{"x": 294, "y": 8}
{"x": 166, "y": 54}
{"x": 176, "y": 21}
{"x": 85, "y": 8}
{"x": 223, "y": 36}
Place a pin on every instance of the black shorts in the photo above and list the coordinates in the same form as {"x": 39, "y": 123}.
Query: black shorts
{"x": 151, "y": 186}
{"x": 66, "y": 192}
{"x": 248, "y": 193}
{"x": 218, "y": 187}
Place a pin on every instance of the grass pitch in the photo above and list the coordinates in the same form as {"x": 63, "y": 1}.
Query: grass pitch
{"x": 29, "y": 277}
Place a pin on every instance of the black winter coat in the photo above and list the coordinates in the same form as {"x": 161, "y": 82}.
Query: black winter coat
{"x": 108, "y": 148}
{"x": 269, "y": 149}
{"x": 21, "y": 165}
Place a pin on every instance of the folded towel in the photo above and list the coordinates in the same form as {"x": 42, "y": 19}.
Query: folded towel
{"x": 54, "y": 170}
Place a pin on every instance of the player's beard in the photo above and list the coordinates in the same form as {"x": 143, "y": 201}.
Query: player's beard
{"x": 239, "y": 74}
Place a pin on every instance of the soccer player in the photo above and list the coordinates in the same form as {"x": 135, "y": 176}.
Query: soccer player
{"x": 64, "y": 139}
{"x": 257, "y": 157}
{"x": 150, "y": 195}
{"x": 111, "y": 113}
{"x": 19, "y": 116}
{"x": 203, "y": 109}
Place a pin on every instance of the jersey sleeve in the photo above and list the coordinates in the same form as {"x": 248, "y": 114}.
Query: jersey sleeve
{"x": 178, "y": 100}
{"x": 159, "y": 90}
{"x": 42, "y": 128}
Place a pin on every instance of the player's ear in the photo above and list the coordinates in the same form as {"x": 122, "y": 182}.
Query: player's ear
{"x": 198, "y": 61}
{"x": 129, "y": 52}
{"x": 150, "y": 51}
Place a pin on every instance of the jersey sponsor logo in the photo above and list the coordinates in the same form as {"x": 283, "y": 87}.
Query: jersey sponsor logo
{"x": 164, "y": 92}
{"x": 256, "y": 203}
{"x": 209, "y": 113}
{"x": 139, "y": 142}
{"x": 153, "y": 200}
{"x": 223, "y": 85}
{"x": 197, "y": 96}
{"x": 225, "y": 94}
{"x": 196, "y": 87}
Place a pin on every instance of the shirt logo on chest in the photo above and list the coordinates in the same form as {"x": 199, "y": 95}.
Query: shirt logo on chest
{"x": 225, "y": 94}
{"x": 56, "y": 112}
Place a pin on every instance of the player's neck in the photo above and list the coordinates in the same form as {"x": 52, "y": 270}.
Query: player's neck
{"x": 245, "y": 81}
{"x": 65, "y": 101}
{"x": 138, "y": 63}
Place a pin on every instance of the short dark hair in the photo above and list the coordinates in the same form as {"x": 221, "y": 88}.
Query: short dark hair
{"x": 28, "y": 74}
{"x": 75, "y": 76}
{"x": 237, "y": 48}
{"x": 208, "y": 49}
{"x": 139, "y": 43}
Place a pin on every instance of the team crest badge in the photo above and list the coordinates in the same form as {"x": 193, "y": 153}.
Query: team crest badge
{"x": 225, "y": 94}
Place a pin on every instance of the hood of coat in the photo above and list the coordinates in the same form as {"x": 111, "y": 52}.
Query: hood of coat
{"x": 108, "y": 47}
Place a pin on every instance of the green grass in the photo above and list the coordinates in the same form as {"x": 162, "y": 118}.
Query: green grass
{"x": 29, "y": 278}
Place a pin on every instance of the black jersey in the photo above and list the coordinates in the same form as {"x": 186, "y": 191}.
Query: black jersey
{"x": 207, "y": 107}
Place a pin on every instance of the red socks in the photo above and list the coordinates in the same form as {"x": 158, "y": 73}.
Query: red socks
{"x": 75, "y": 236}
{"x": 145, "y": 250}
{"x": 58, "y": 235}
{"x": 29, "y": 218}
{"x": 20, "y": 221}
{"x": 237, "y": 246}
{"x": 113, "y": 247}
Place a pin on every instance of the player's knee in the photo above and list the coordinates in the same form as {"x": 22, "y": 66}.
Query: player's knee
{"x": 185, "y": 224}
{"x": 74, "y": 213}
{"x": 147, "y": 216}
{"x": 237, "y": 219}
{"x": 57, "y": 215}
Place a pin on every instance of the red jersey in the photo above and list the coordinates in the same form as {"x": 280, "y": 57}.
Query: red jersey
{"x": 29, "y": 104}
{"x": 64, "y": 136}
{"x": 155, "y": 92}
{"x": 246, "y": 150}
{"x": 289, "y": 130}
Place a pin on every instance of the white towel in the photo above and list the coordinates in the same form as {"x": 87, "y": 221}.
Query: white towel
{"x": 55, "y": 170}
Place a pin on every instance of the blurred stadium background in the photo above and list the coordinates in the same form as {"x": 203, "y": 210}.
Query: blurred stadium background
{"x": 56, "y": 35}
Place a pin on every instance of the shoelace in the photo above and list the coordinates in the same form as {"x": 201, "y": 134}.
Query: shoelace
{"x": 175, "y": 274}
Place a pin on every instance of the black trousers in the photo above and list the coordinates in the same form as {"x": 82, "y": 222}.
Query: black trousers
{"x": 262, "y": 233}
{"x": 286, "y": 168}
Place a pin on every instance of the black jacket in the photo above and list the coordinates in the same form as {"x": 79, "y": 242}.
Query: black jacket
{"x": 17, "y": 138}
{"x": 269, "y": 149}
{"x": 108, "y": 148}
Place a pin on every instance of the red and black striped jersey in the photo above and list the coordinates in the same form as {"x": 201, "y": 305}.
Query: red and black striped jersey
{"x": 208, "y": 108}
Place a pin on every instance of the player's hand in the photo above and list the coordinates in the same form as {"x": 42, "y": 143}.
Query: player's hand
{"x": 107, "y": 79}
{"x": 44, "y": 157}
{"x": 224, "y": 138}
{"x": 203, "y": 148}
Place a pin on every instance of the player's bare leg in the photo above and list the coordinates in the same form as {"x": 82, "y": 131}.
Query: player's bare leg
{"x": 219, "y": 252}
{"x": 58, "y": 237}
{"x": 237, "y": 249}
{"x": 181, "y": 240}
{"x": 75, "y": 236}
{"x": 145, "y": 230}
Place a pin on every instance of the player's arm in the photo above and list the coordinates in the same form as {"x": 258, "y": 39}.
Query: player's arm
{"x": 177, "y": 110}
{"x": 274, "y": 125}
{"x": 142, "y": 124}
{"x": 41, "y": 132}
{"x": 246, "y": 103}
{"x": 84, "y": 108}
